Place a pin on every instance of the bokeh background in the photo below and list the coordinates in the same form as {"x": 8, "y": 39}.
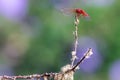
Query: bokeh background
{"x": 36, "y": 37}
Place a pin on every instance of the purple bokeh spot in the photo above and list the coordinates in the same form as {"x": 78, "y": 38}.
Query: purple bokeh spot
{"x": 13, "y": 9}
{"x": 114, "y": 71}
{"x": 93, "y": 63}
{"x": 99, "y": 3}
{"x": 6, "y": 70}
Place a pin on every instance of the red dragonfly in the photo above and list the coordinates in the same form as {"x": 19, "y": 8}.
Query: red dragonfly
{"x": 77, "y": 12}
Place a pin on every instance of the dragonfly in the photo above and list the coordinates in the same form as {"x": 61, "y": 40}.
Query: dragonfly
{"x": 75, "y": 11}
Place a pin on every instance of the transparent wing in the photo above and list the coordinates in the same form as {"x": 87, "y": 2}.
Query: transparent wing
{"x": 67, "y": 11}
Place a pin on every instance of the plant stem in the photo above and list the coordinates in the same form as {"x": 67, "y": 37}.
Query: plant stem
{"x": 76, "y": 22}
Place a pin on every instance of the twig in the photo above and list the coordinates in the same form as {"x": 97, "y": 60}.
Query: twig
{"x": 59, "y": 75}
{"x": 37, "y": 76}
{"x": 67, "y": 71}
{"x": 74, "y": 57}
{"x": 86, "y": 55}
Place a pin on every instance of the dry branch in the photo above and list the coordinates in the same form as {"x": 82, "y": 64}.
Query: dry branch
{"x": 67, "y": 71}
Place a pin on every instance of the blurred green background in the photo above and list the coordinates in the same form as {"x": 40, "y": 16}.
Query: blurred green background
{"x": 36, "y": 37}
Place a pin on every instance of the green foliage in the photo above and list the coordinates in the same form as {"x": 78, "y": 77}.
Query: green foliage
{"x": 50, "y": 44}
{"x": 48, "y": 48}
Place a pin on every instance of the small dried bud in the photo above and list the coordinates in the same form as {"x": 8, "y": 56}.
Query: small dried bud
{"x": 73, "y": 53}
{"x": 77, "y": 68}
{"x": 76, "y": 20}
{"x": 88, "y": 53}
{"x": 73, "y": 56}
{"x": 66, "y": 68}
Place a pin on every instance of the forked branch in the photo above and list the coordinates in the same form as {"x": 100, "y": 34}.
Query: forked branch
{"x": 67, "y": 71}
